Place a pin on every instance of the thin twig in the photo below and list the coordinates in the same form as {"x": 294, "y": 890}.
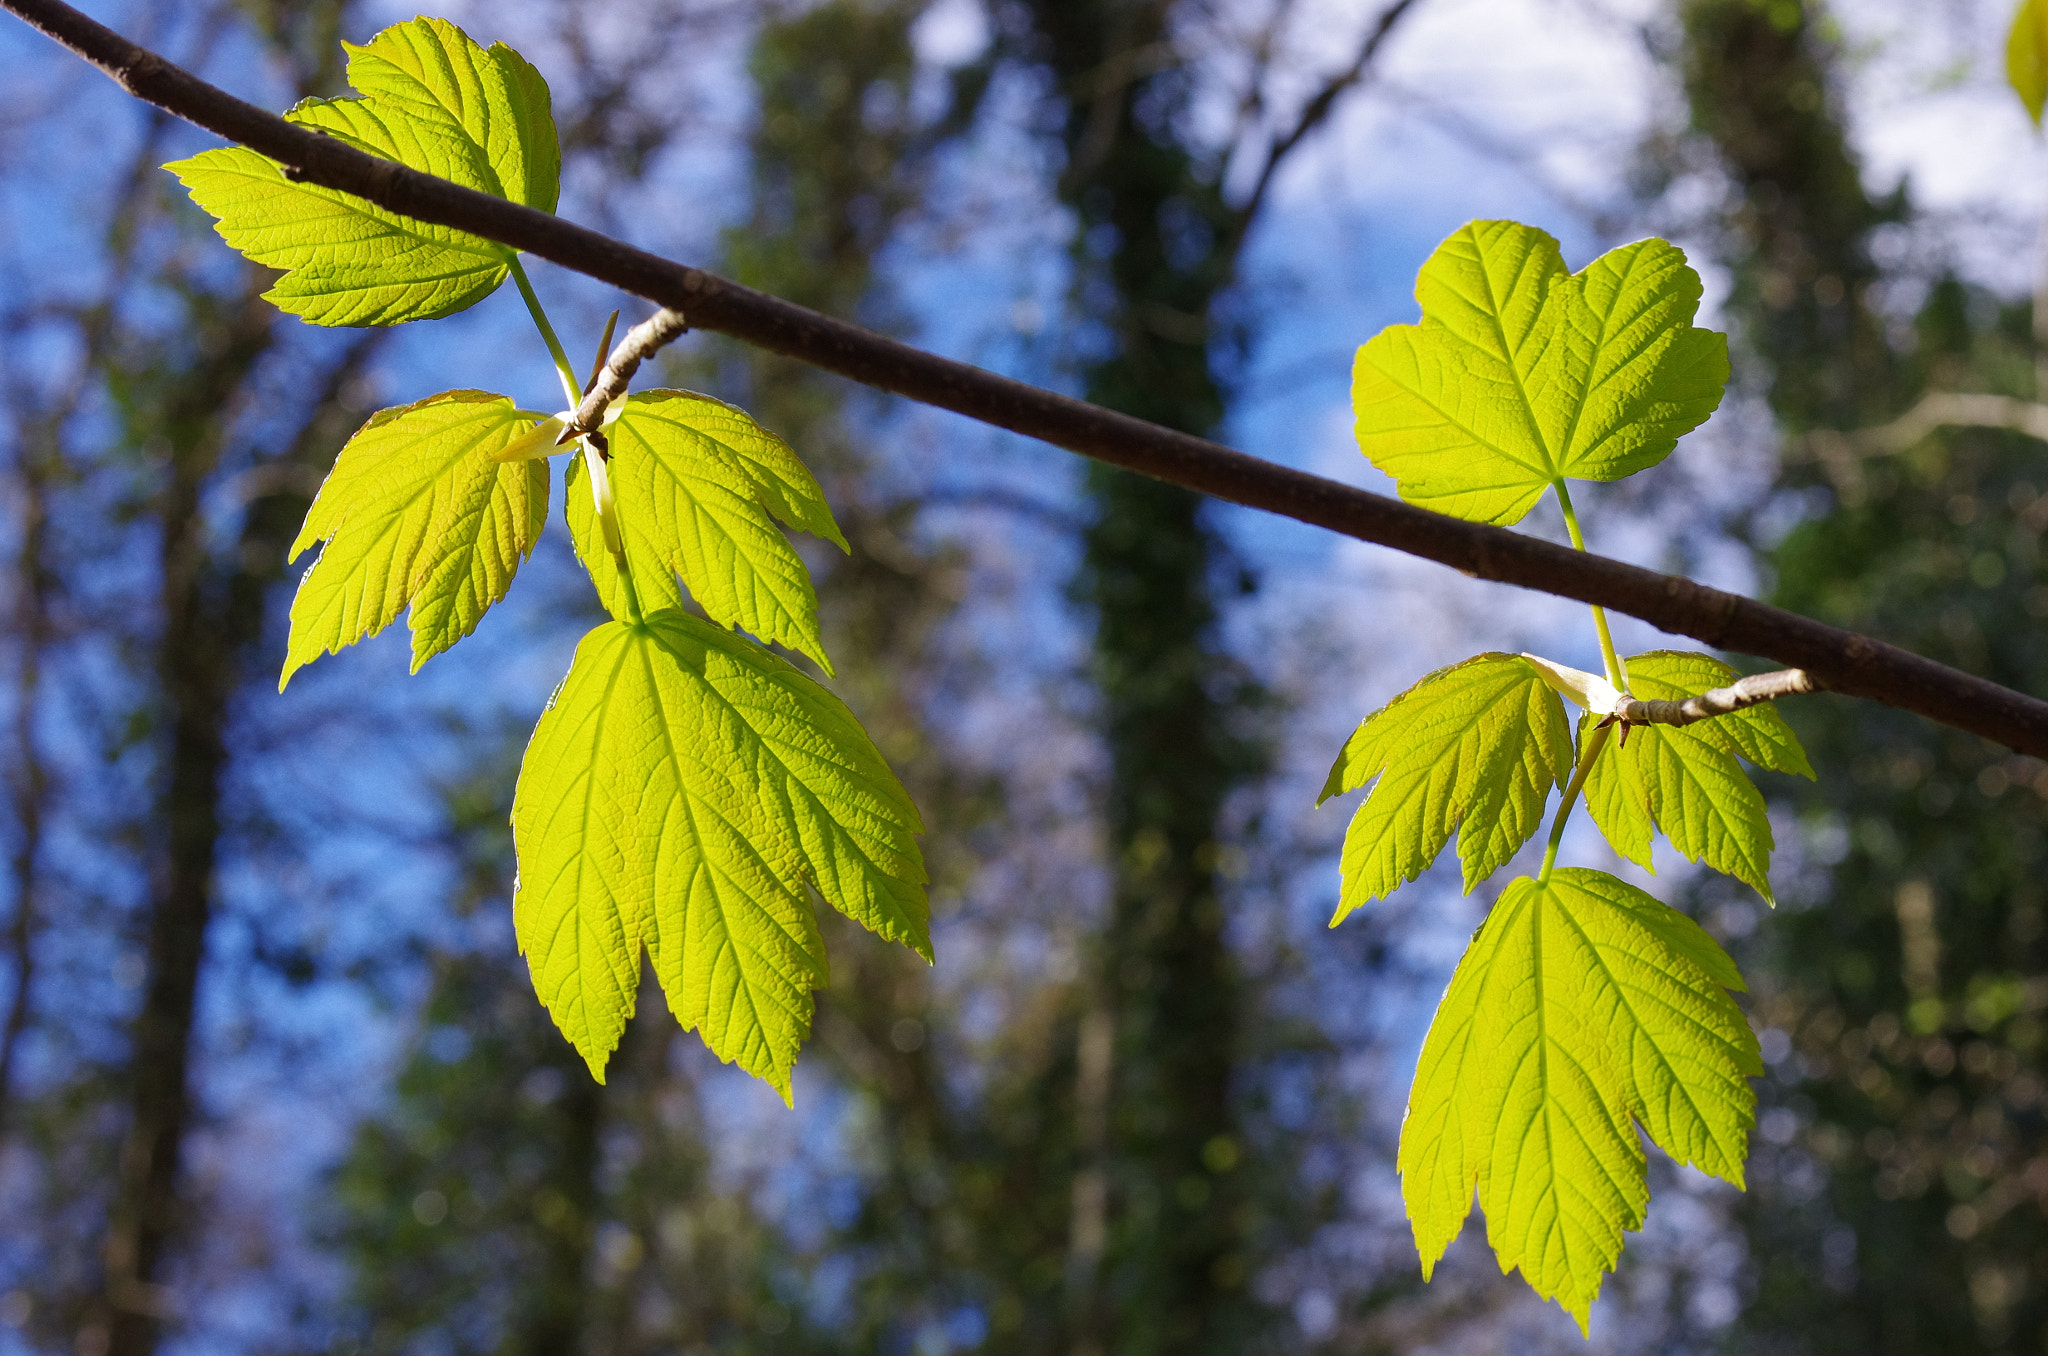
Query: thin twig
{"x": 1721, "y": 701}
{"x": 1839, "y": 660}
{"x": 1937, "y": 409}
{"x": 1842, "y": 453}
{"x": 642, "y": 342}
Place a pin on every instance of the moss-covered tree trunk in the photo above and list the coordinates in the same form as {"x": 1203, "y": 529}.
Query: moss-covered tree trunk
{"x": 1156, "y": 1261}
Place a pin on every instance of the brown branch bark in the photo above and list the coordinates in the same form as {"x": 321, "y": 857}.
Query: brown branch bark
{"x": 1839, "y": 660}
{"x": 642, "y": 342}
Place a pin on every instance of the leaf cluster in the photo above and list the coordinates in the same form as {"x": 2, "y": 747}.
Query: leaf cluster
{"x": 688, "y": 794}
{"x": 1583, "y": 1007}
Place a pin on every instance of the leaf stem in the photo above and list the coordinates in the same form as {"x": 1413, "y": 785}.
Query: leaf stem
{"x": 1616, "y": 674}
{"x": 634, "y": 616}
{"x": 1595, "y": 742}
{"x": 595, "y": 454}
{"x": 540, "y": 319}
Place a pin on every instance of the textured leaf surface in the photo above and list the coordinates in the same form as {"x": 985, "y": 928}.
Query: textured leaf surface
{"x": 698, "y": 483}
{"x": 1522, "y": 373}
{"x": 683, "y": 793}
{"x": 432, "y": 100}
{"x": 1581, "y": 1007}
{"x": 2026, "y": 56}
{"x": 1479, "y": 744}
{"x": 1685, "y": 780}
{"x": 489, "y": 107}
{"x": 416, "y": 514}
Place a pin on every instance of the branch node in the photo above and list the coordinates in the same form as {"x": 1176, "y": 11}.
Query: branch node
{"x": 642, "y": 342}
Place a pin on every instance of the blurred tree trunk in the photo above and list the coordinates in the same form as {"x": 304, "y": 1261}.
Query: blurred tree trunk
{"x": 29, "y": 781}
{"x": 1158, "y": 1227}
{"x": 1761, "y": 90}
{"x": 212, "y": 609}
{"x": 838, "y": 159}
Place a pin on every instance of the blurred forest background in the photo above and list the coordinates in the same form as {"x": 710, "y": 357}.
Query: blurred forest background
{"x": 272, "y": 1078}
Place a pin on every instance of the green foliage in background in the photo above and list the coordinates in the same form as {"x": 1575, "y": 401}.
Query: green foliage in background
{"x": 1901, "y": 1213}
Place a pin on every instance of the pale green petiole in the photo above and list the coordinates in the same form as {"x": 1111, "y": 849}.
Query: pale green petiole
{"x": 1595, "y": 742}
{"x": 1616, "y": 673}
{"x": 594, "y": 466}
{"x": 563, "y": 370}
{"x": 539, "y": 442}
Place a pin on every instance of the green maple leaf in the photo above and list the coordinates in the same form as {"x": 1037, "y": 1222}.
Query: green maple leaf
{"x": 416, "y": 514}
{"x": 685, "y": 792}
{"x": 1685, "y": 779}
{"x": 1523, "y": 374}
{"x": 1478, "y": 744}
{"x": 2026, "y": 56}
{"x": 698, "y": 484}
{"x": 1582, "y": 1008}
{"x": 432, "y": 100}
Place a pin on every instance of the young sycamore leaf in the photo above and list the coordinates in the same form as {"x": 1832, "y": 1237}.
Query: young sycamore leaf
{"x": 684, "y": 792}
{"x": 1685, "y": 780}
{"x": 432, "y": 100}
{"x": 417, "y": 514}
{"x": 1522, "y": 374}
{"x": 2026, "y": 56}
{"x": 1589, "y": 690}
{"x": 697, "y": 482}
{"x": 1581, "y": 1008}
{"x": 1479, "y": 743}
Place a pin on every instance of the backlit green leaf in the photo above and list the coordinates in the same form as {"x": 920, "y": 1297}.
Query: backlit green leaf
{"x": 416, "y": 514}
{"x": 1582, "y": 1008}
{"x": 432, "y": 100}
{"x": 684, "y": 793}
{"x": 697, "y": 483}
{"x": 1685, "y": 779}
{"x": 2026, "y": 56}
{"x": 1479, "y": 743}
{"x": 490, "y": 108}
{"x": 1522, "y": 373}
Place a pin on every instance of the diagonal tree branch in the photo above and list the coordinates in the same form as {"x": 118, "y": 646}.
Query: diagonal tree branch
{"x": 1320, "y": 107}
{"x": 1836, "y": 659}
